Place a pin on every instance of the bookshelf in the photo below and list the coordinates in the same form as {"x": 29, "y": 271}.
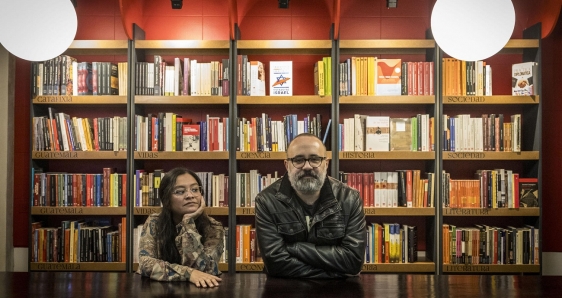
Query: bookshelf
{"x": 303, "y": 53}
{"x": 71, "y": 169}
{"x": 526, "y": 163}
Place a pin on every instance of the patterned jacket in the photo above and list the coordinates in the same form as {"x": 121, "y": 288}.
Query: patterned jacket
{"x": 200, "y": 252}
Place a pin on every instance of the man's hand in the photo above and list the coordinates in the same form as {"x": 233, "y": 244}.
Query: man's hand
{"x": 202, "y": 279}
{"x": 197, "y": 212}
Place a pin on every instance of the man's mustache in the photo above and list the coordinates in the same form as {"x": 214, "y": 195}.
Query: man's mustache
{"x": 308, "y": 174}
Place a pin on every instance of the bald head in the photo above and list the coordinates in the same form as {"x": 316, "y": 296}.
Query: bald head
{"x": 306, "y": 144}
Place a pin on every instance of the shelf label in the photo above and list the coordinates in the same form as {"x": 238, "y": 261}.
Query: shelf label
{"x": 252, "y": 155}
{"x": 359, "y": 155}
{"x": 147, "y": 211}
{"x": 465, "y": 155}
{"x": 369, "y": 267}
{"x": 60, "y": 266}
{"x": 251, "y": 267}
{"x": 54, "y": 98}
{"x": 465, "y": 99}
{"x": 370, "y": 211}
{"x": 146, "y": 154}
{"x": 61, "y": 210}
{"x": 467, "y": 268}
{"x": 466, "y": 211}
{"x": 247, "y": 211}
{"x": 55, "y": 154}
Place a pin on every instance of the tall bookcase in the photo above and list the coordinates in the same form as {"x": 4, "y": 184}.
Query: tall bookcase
{"x": 303, "y": 53}
{"x": 59, "y": 164}
{"x": 527, "y": 163}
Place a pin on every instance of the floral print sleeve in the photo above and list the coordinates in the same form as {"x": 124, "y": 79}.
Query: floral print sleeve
{"x": 197, "y": 252}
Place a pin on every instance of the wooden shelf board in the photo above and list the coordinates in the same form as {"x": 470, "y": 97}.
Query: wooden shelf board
{"x": 453, "y": 212}
{"x": 156, "y": 209}
{"x": 388, "y": 44}
{"x": 494, "y": 99}
{"x": 398, "y": 100}
{"x": 267, "y": 155}
{"x": 491, "y": 155}
{"x": 418, "y": 267}
{"x": 283, "y": 44}
{"x": 182, "y": 44}
{"x": 396, "y": 155}
{"x": 522, "y": 43}
{"x": 399, "y": 211}
{"x": 85, "y": 266}
{"x": 181, "y": 100}
{"x": 283, "y": 100}
{"x": 36, "y": 210}
{"x": 165, "y": 155}
{"x": 249, "y": 267}
{"x": 97, "y": 47}
{"x": 485, "y": 268}
{"x": 79, "y": 155}
{"x": 80, "y": 99}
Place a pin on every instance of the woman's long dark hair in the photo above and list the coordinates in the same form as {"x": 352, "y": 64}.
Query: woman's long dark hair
{"x": 165, "y": 226}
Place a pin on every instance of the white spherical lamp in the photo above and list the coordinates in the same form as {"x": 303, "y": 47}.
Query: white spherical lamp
{"x": 37, "y": 30}
{"x": 472, "y": 30}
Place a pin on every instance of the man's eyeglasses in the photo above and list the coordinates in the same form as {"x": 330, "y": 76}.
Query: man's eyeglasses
{"x": 196, "y": 190}
{"x": 313, "y": 161}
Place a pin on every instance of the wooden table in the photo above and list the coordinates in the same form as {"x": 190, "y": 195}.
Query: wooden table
{"x": 107, "y": 285}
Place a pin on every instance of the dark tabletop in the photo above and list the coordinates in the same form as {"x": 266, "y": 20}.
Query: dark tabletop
{"x": 103, "y": 284}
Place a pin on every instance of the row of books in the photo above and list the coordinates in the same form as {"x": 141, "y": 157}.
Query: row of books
{"x": 382, "y": 133}
{"x": 463, "y": 133}
{"x": 215, "y": 187}
{"x": 248, "y": 185}
{"x": 370, "y": 76}
{"x": 264, "y": 134}
{"x": 485, "y": 244}
{"x": 166, "y": 131}
{"x": 60, "y": 132}
{"x": 403, "y": 188}
{"x": 64, "y": 75}
{"x": 498, "y": 188}
{"x": 182, "y": 77}
{"x": 247, "y": 250}
{"x": 58, "y": 189}
{"x": 391, "y": 243}
{"x": 79, "y": 241}
{"x": 466, "y": 78}
{"x": 251, "y": 77}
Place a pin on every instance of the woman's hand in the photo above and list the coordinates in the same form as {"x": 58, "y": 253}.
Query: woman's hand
{"x": 202, "y": 279}
{"x": 197, "y": 212}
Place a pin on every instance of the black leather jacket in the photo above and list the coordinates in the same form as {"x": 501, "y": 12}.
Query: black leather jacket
{"x": 333, "y": 247}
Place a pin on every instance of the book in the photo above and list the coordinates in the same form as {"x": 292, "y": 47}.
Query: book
{"x": 388, "y": 77}
{"x": 400, "y": 134}
{"x": 191, "y": 137}
{"x": 522, "y": 78}
{"x": 257, "y": 78}
{"x": 281, "y": 78}
{"x": 528, "y": 192}
{"x": 377, "y": 133}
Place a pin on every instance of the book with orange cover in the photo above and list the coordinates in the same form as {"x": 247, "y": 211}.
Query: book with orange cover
{"x": 388, "y": 77}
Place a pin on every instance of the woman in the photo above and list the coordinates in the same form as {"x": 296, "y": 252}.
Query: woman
{"x": 182, "y": 242}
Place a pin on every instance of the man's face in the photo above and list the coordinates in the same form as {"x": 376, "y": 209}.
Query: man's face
{"x": 307, "y": 178}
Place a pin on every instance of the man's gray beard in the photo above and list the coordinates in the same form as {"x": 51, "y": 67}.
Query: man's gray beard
{"x": 308, "y": 185}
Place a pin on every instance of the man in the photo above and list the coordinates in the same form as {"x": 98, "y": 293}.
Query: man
{"x": 308, "y": 224}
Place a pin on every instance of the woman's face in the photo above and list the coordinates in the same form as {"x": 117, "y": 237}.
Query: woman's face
{"x": 186, "y": 196}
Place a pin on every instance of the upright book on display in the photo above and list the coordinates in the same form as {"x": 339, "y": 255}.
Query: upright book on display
{"x": 281, "y": 78}
{"x": 522, "y": 78}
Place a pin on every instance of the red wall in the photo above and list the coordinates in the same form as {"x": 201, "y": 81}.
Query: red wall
{"x": 305, "y": 19}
